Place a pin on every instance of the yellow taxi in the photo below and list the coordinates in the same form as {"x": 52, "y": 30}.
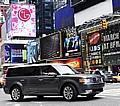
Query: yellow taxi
{"x": 116, "y": 78}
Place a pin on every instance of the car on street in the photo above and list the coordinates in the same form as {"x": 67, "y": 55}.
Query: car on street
{"x": 116, "y": 78}
{"x": 107, "y": 77}
{"x": 50, "y": 79}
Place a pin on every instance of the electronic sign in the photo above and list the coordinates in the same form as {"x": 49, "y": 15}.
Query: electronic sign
{"x": 21, "y": 21}
{"x": 71, "y": 42}
{"x": 50, "y": 46}
{"x": 14, "y": 53}
{"x": 64, "y": 17}
{"x": 95, "y": 48}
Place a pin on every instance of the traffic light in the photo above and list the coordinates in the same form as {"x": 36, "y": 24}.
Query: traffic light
{"x": 104, "y": 24}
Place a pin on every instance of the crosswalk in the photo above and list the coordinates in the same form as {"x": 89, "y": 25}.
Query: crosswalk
{"x": 110, "y": 93}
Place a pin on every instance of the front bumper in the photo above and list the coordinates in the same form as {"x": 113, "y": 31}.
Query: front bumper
{"x": 91, "y": 89}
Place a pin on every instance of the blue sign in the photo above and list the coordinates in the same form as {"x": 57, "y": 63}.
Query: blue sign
{"x": 116, "y": 5}
{"x": 64, "y": 17}
{"x": 32, "y": 55}
{"x": 15, "y": 53}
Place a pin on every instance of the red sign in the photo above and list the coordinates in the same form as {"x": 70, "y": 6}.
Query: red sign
{"x": 73, "y": 62}
{"x": 94, "y": 38}
{"x": 24, "y": 14}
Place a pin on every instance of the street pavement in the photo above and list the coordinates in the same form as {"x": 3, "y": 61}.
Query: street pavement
{"x": 109, "y": 97}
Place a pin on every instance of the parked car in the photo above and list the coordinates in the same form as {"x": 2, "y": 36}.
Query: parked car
{"x": 50, "y": 79}
{"x": 107, "y": 77}
{"x": 116, "y": 78}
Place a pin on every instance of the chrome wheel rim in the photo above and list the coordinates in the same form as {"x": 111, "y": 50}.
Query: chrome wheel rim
{"x": 68, "y": 93}
{"x": 15, "y": 94}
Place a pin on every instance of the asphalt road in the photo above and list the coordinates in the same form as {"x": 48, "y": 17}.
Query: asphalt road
{"x": 109, "y": 97}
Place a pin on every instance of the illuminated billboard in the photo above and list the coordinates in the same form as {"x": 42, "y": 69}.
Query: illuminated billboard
{"x": 73, "y": 62}
{"x": 71, "y": 43}
{"x": 111, "y": 44}
{"x": 116, "y": 5}
{"x": 50, "y": 46}
{"x": 64, "y": 17}
{"x": 21, "y": 22}
{"x": 95, "y": 48}
{"x": 14, "y": 53}
{"x": 33, "y": 52}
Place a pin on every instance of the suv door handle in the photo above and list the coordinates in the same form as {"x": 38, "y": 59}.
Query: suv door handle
{"x": 22, "y": 80}
{"x": 40, "y": 79}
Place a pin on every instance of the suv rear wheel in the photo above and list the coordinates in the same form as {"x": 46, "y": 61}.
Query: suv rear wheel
{"x": 69, "y": 92}
{"x": 16, "y": 94}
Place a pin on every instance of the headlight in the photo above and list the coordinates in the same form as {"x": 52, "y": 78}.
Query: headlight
{"x": 84, "y": 80}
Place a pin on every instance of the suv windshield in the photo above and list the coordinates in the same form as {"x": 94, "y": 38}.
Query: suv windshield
{"x": 64, "y": 70}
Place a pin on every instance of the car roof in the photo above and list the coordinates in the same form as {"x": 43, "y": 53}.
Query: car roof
{"x": 32, "y": 65}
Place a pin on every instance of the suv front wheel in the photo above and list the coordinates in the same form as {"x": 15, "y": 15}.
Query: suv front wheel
{"x": 69, "y": 92}
{"x": 16, "y": 94}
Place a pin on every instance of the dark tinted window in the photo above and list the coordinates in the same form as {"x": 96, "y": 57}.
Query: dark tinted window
{"x": 23, "y": 71}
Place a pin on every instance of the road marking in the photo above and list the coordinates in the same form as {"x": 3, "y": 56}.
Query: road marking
{"x": 111, "y": 93}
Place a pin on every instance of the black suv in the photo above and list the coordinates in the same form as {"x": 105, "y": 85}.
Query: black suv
{"x": 50, "y": 79}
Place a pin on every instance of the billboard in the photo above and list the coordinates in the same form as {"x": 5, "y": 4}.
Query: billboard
{"x": 32, "y": 52}
{"x": 71, "y": 43}
{"x": 14, "y": 53}
{"x": 95, "y": 48}
{"x": 21, "y": 21}
{"x": 73, "y": 62}
{"x": 50, "y": 46}
{"x": 64, "y": 17}
{"x": 83, "y": 4}
{"x": 116, "y": 5}
{"x": 111, "y": 44}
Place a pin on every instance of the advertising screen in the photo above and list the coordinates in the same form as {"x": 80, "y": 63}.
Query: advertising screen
{"x": 116, "y": 5}
{"x": 14, "y": 53}
{"x": 22, "y": 21}
{"x": 32, "y": 52}
{"x": 50, "y": 46}
{"x": 73, "y": 62}
{"x": 111, "y": 43}
{"x": 71, "y": 42}
{"x": 95, "y": 48}
{"x": 64, "y": 17}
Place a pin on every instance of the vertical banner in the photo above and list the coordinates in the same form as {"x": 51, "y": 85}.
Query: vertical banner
{"x": 95, "y": 48}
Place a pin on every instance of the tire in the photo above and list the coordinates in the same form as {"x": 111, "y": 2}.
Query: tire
{"x": 69, "y": 92}
{"x": 115, "y": 80}
{"x": 16, "y": 94}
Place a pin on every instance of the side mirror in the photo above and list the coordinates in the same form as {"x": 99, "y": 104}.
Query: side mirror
{"x": 52, "y": 74}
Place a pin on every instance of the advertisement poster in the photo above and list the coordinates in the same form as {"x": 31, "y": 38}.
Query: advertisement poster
{"x": 111, "y": 44}
{"x": 64, "y": 17}
{"x": 21, "y": 22}
{"x": 73, "y": 62}
{"x": 71, "y": 43}
{"x": 95, "y": 48}
{"x": 50, "y": 46}
{"x": 32, "y": 52}
{"x": 14, "y": 53}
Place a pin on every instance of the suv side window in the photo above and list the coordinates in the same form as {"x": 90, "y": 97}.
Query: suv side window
{"x": 47, "y": 69}
{"x": 15, "y": 72}
{"x": 23, "y": 71}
